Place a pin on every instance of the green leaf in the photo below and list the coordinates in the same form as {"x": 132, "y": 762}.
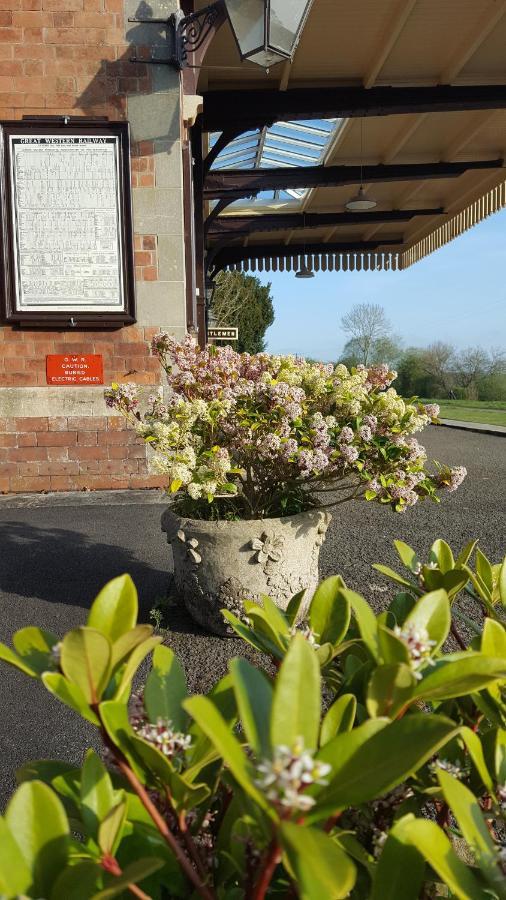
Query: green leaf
{"x": 86, "y": 661}
{"x": 321, "y": 868}
{"x": 133, "y": 874}
{"x": 166, "y": 689}
{"x": 393, "y": 575}
{"x": 444, "y": 555}
{"x": 329, "y": 613}
{"x": 258, "y": 641}
{"x": 185, "y": 794}
{"x": 274, "y": 616}
{"x": 390, "y": 688}
{"x": 365, "y": 619}
{"x": 475, "y": 750}
{"x": 296, "y": 702}
{"x": 339, "y": 718}
{"x": 391, "y": 880}
{"x": 253, "y": 693}
{"x": 464, "y": 555}
{"x": 114, "y": 717}
{"x": 432, "y": 612}
{"x": 435, "y": 847}
{"x": 398, "y": 750}
{"x": 7, "y": 655}
{"x": 456, "y": 678}
{"x": 213, "y": 724}
{"x": 392, "y": 648}
{"x": 407, "y": 555}
{"x": 79, "y": 882}
{"x": 261, "y": 622}
{"x": 124, "y": 645}
{"x": 111, "y": 827}
{"x": 401, "y": 606}
{"x": 292, "y": 610}
{"x": 134, "y": 660}
{"x": 493, "y": 640}
{"x": 38, "y": 824}
{"x": 69, "y": 694}
{"x": 114, "y": 611}
{"x": 34, "y": 646}
{"x": 467, "y": 811}
{"x": 502, "y": 583}
{"x": 484, "y": 569}
{"x": 15, "y": 874}
{"x": 97, "y": 794}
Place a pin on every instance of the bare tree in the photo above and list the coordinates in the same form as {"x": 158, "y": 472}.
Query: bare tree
{"x": 438, "y": 361}
{"x": 366, "y": 323}
{"x": 475, "y": 363}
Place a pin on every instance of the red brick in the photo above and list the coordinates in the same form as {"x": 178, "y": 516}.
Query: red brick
{"x": 136, "y": 452}
{"x": 57, "y": 423}
{"x": 120, "y": 452}
{"x": 57, "y": 454}
{"x": 117, "y": 437}
{"x": 150, "y": 273}
{"x": 22, "y": 484}
{"x": 92, "y": 466}
{"x": 116, "y": 423}
{"x": 87, "y": 439}
{"x": 6, "y": 18}
{"x": 63, "y": 483}
{"x": 4, "y": 485}
{"x": 27, "y": 440}
{"x": 11, "y": 35}
{"x": 88, "y": 453}
{"x": 10, "y": 468}
{"x": 62, "y": 468}
{"x": 57, "y": 439}
{"x": 14, "y": 364}
{"x": 31, "y": 468}
{"x": 149, "y": 241}
{"x": 31, "y": 423}
{"x": 28, "y": 454}
{"x": 148, "y": 481}
{"x": 8, "y": 440}
{"x": 88, "y": 423}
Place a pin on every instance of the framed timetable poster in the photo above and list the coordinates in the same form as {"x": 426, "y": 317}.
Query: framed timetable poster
{"x": 67, "y": 223}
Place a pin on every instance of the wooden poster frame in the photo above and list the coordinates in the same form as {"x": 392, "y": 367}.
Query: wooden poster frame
{"x": 68, "y": 127}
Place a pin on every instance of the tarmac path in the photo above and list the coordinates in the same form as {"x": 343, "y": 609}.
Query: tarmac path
{"x": 54, "y": 559}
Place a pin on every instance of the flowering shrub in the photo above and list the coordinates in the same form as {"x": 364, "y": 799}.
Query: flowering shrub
{"x": 258, "y": 436}
{"x": 393, "y": 790}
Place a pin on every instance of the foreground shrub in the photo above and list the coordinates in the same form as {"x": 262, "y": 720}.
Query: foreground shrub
{"x": 259, "y": 788}
{"x": 263, "y": 436}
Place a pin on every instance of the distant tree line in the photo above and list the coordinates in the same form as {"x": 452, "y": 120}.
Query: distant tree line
{"x": 439, "y": 370}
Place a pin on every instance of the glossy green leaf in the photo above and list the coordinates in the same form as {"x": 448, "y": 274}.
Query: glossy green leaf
{"x": 484, "y": 569}
{"x": 365, "y": 619}
{"x": 212, "y": 723}
{"x": 165, "y": 689}
{"x": 296, "y": 701}
{"x": 432, "y": 613}
{"x": 467, "y": 811}
{"x": 321, "y": 868}
{"x": 78, "y": 882}
{"x": 136, "y": 657}
{"x": 390, "y": 689}
{"x": 465, "y": 554}
{"x": 393, "y": 575}
{"x": 259, "y": 642}
{"x": 253, "y": 693}
{"x": 114, "y": 717}
{"x": 38, "y": 824}
{"x": 392, "y": 648}
{"x": 111, "y": 828}
{"x": 407, "y": 555}
{"x": 275, "y": 616}
{"x": 292, "y": 610}
{"x": 124, "y": 645}
{"x": 493, "y": 639}
{"x": 435, "y": 847}
{"x": 391, "y": 879}
{"x": 159, "y": 769}
{"x": 444, "y": 555}
{"x": 15, "y": 874}
{"x": 69, "y": 694}
{"x": 502, "y": 583}
{"x": 456, "y": 678}
{"x": 339, "y": 718}
{"x": 43, "y": 770}
{"x": 329, "y": 612}
{"x": 135, "y": 873}
{"x": 34, "y": 646}
{"x": 398, "y": 750}
{"x": 401, "y": 606}
{"x": 7, "y": 655}
{"x": 86, "y": 661}
{"x": 114, "y": 611}
{"x": 97, "y": 794}
{"x": 475, "y": 750}
{"x": 262, "y": 624}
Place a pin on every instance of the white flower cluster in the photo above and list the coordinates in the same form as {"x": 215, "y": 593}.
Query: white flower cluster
{"x": 454, "y": 769}
{"x": 173, "y": 744}
{"x": 285, "y": 777}
{"x": 418, "y": 643}
{"x": 307, "y": 633}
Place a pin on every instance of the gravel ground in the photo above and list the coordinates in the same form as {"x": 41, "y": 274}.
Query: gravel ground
{"x": 54, "y": 560}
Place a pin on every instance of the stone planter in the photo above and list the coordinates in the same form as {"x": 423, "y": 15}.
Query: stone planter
{"x": 218, "y": 564}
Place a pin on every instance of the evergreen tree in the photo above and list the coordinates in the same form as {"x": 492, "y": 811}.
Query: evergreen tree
{"x": 241, "y": 300}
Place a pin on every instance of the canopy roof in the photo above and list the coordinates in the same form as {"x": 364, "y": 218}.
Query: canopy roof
{"x": 291, "y": 119}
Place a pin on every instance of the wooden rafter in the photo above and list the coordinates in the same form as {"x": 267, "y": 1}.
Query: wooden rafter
{"x": 219, "y": 183}
{"x": 241, "y": 111}
{"x": 471, "y": 43}
{"x": 230, "y": 255}
{"x": 389, "y": 38}
{"x": 236, "y": 225}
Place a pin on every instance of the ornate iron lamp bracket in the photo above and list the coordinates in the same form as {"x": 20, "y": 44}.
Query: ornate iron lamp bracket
{"x": 186, "y": 34}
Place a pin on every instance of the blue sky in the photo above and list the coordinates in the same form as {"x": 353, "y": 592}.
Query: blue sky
{"x": 457, "y": 294}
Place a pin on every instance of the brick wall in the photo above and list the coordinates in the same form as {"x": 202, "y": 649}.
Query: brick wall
{"x": 73, "y": 57}
{"x": 72, "y": 453}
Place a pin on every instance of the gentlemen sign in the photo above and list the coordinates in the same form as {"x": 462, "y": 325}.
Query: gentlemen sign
{"x": 223, "y": 334}
{"x": 66, "y": 241}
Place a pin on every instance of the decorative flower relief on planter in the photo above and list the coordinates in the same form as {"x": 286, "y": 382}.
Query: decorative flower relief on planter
{"x": 268, "y": 547}
{"x": 191, "y": 546}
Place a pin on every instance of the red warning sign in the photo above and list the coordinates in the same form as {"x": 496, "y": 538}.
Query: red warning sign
{"x": 74, "y": 368}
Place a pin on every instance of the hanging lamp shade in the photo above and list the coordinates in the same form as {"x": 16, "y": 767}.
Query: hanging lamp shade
{"x": 267, "y": 31}
{"x": 304, "y": 272}
{"x": 360, "y": 202}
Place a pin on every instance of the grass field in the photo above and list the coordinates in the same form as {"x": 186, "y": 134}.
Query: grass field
{"x": 488, "y": 412}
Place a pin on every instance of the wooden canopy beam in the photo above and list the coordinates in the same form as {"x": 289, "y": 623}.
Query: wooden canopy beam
{"x": 220, "y": 258}
{"x": 240, "y": 225}
{"x": 247, "y": 181}
{"x": 244, "y": 110}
